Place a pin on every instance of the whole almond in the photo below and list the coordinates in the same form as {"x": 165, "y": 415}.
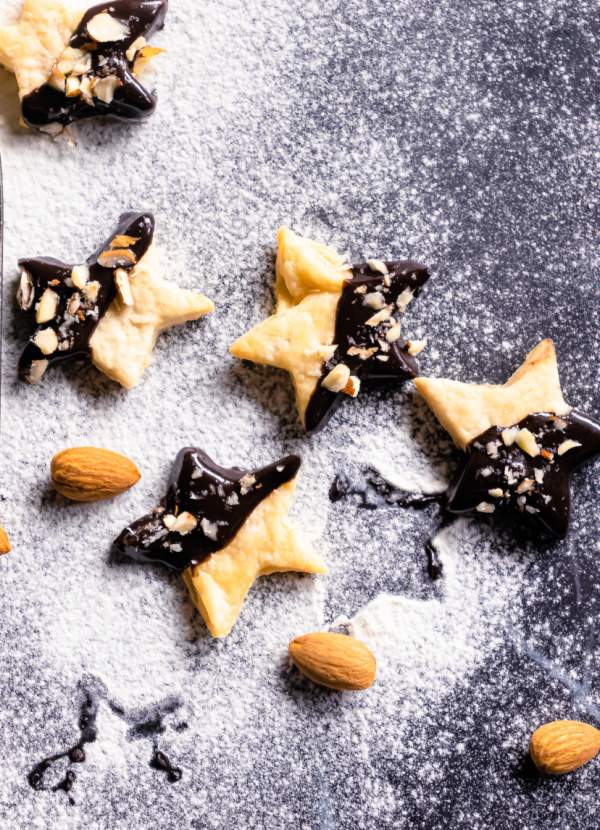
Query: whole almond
{"x": 90, "y": 474}
{"x": 563, "y": 746}
{"x": 334, "y": 660}
{"x": 4, "y": 542}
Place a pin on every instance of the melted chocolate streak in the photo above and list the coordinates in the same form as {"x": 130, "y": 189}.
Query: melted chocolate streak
{"x": 145, "y": 723}
{"x": 536, "y": 488}
{"x": 395, "y": 364}
{"x": 74, "y": 329}
{"x": 375, "y": 492}
{"x": 222, "y": 497}
{"x": 47, "y": 105}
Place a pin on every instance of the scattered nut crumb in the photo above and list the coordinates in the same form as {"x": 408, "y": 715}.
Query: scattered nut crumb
{"x": 104, "y": 28}
{"x": 337, "y": 378}
{"x": 183, "y": 524}
{"x": 80, "y": 275}
{"x": 117, "y": 258}
{"x": 525, "y": 485}
{"x": 404, "y": 298}
{"x": 25, "y": 292}
{"x": 393, "y": 333}
{"x": 378, "y": 265}
{"x": 352, "y": 388}
{"x": 380, "y": 317}
{"x": 509, "y": 436}
{"x": 362, "y": 353}
{"x": 47, "y": 306}
{"x": 415, "y": 347}
{"x": 123, "y": 287}
{"x": 526, "y": 441}
{"x": 247, "y": 482}
{"x": 374, "y": 300}
{"x": 104, "y": 89}
{"x": 91, "y": 290}
{"x": 567, "y": 445}
{"x": 46, "y": 340}
{"x": 210, "y": 529}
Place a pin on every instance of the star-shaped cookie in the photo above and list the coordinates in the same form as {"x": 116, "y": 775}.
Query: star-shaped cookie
{"x": 70, "y": 64}
{"x": 222, "y": 528}
{"x": 112, "y": 307}
{"x": 522, "y": 442}
{"x": 335, "y": 325}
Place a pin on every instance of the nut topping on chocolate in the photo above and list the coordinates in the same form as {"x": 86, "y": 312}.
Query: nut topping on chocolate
{"x": 95, "y": 73}
{"x": 321, "y": 300}
{"x": 524, "y": 480}
{"x": 69, "y": 311}
{"x": 517, "y": 452}
{"x": 110, "y": 308}
{"x": 204, "y": 508}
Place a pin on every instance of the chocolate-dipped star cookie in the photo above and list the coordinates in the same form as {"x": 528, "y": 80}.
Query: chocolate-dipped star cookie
{"x": 71, "y": 66}
{"x": 522, "y": 442}
{"x": 112, "y": 307}
{"x": 335, "y": 325}
{"x": 222, "y": 528}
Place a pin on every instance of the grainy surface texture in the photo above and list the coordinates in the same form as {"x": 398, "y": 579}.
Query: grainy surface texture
{"x": 463, "y": 134}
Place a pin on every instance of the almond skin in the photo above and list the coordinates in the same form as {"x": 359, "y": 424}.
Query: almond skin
{"x": 89, "y": 474}
{"x": 4, "y": 542}
{"x": 334, "y": 660}
{"x": 563, "y": 746}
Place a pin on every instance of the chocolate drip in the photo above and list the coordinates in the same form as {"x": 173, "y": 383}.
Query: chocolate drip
{"x": 143, "y": 723}
{"x": 161, "y": 762}
{"x": 378, "y": 360}
{"x": 219, "y": 500}
{"x": 74, "y": 754}
{"x": 375, "y": 492}
{"x": 49, "y": 106}
{"x": 536, "y": 488}
{"x": 435, "y": 566}
{"x": 78, "y": 311}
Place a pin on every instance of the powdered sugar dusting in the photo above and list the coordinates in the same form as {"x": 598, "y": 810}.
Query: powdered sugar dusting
{"x": 476, "y": 605}
{"x": 463, "y": 135}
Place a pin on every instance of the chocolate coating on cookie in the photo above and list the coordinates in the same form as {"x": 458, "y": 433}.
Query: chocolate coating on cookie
{"x": 371, "y": 350}
{"x": 499, "y": 478}
{"x": 122, "y": 95}
{"x": 211, "y": 504}
{"x": 76, "y": 296}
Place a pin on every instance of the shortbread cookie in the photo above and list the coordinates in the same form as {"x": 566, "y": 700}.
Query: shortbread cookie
{"x": 222, "y": 528}
{"x": 335, "y": 325}
{"x": 72, "y": 64}
{"x": 522, "y": 441}
{"x": 111, "y": 307}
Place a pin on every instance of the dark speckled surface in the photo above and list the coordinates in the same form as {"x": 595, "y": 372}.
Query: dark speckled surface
{"x": 463, "y": 134}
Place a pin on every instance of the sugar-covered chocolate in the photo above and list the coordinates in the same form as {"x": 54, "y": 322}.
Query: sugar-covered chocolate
{"x": 203, "y": 509}
{"x": 367, "y": 334}
{"x": 526, "y": 469}
{"x": 96, "y": 74}
{"x": 68, "y": 301}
